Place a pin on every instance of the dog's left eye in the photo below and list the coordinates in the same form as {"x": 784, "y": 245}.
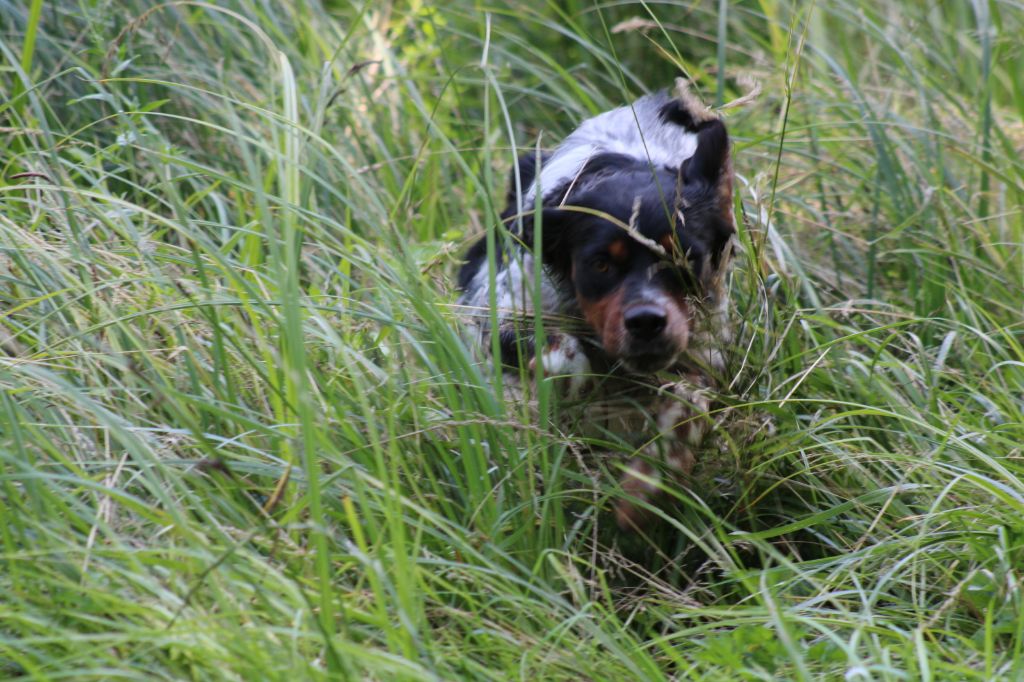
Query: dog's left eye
{"x": 601, "y": 265}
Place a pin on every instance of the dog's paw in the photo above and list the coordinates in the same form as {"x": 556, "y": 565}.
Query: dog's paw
{"x": 641, "y": 486}
{"x": 682, "y": 416}
{"x": 563, "y": 356}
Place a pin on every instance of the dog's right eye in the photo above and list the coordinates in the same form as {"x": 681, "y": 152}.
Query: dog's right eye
{"x": 600, "y": 265}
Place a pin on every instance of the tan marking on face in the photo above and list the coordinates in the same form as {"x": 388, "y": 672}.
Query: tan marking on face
{"x": 677, "y": 329}
{"x": 668, "y": 242}
{"x": 604, "y": 315}
{"x": 619, "y": 251}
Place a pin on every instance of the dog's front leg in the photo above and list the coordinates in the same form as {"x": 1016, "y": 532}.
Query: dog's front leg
{"x": 682, "y": 420}
{"x": 563, "y": 356}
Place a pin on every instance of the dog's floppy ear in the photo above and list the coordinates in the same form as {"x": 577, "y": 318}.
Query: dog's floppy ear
{"x": 554, "y": 226}
{"x": 710, "y": 162}
{"x": 710, "y": 166}
{"x": 526, "y": 167}
{"x": 707, "y": 180}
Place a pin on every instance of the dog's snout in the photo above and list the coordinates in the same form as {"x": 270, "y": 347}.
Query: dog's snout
{"x": 646, "y": 321}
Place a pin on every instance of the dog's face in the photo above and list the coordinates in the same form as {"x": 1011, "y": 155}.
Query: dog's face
{"x": 638, "y": 295}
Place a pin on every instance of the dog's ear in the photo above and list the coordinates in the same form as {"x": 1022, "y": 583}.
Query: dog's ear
{"x": 526, "y": 168}
{"x": 554, "y": 225}
{"x": 710, "y": 166}
{"x": 711, "y": 160}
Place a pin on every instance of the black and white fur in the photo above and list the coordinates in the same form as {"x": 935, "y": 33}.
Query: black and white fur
{"x": 636, "y": 223}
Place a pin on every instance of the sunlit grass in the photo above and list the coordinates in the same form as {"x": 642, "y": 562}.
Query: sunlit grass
{"x": 242, "y": 435}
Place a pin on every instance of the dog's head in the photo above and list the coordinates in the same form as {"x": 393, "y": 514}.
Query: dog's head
{"x": 642, "y": 246}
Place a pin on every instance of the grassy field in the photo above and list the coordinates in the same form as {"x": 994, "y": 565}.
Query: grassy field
{"x": 241, "y": 436}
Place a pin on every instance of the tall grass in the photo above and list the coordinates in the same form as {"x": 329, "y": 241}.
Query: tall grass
{"x": 243, "y": 437}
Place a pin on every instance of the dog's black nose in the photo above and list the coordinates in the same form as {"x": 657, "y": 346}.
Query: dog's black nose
{"x": 645, "y": 322}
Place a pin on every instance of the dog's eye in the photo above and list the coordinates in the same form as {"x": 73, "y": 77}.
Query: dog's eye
{"x": 601, "y": 265}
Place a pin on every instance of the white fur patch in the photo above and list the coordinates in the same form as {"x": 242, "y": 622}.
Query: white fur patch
{"x": 670, "y": 416}
{"x": 634, "y": 130}
{"x": 565, "y": 358}
{"x": 514, "y": 293}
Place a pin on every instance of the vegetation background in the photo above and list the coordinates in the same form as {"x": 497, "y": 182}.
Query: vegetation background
{"x": 242, "y": 438}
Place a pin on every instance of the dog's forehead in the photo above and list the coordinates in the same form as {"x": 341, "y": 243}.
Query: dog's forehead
{"x": 620, "y": 244}
{"x": 644, "y": 198}
{"x": 656, "y": 226}
{"x": 604, "y": 236}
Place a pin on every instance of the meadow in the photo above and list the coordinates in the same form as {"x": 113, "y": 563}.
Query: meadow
{"x": 242, "y": 436}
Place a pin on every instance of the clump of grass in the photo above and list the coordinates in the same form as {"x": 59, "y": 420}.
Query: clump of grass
{"x": 242, "y": 436}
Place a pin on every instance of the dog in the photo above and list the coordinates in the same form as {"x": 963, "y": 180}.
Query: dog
{"x": 632, "y": 218}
